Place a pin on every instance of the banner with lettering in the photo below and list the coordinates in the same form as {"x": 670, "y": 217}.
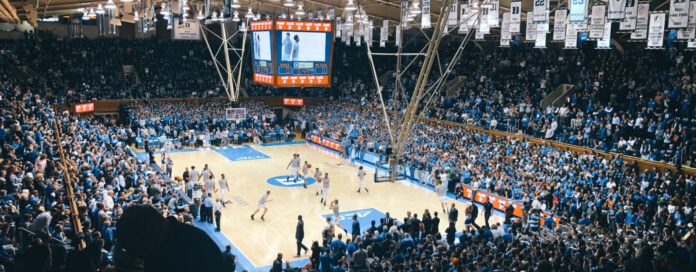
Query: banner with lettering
{"x": 571, "y": 37}
{"x": 331, "y": 13}
{"x": 540, "y": 39}
{"x": 483, "y": 25}
{"x": 597, "y": 21}
{"x": 515, "y": 16}
{"x": 463, "y": 14}
{"x": 616, "y": 10}
{"x": 505, "y": 35}
{"x": 383, "y": 33}
{"x": 691, "y": 44}
{"x": 656, "y": 30}
{"x": 398, "y": 36}
{"x": 452, "y": 19}
{"x": 629, "y": 21}
{"x": 404, "y": 13}
{"x": 678, "y": 13}
{"x": 479, "y": 36}
{"x": 559, "y": 23}
{"x": 641, "y": 31}
{"x": 578, "y": 11}
{"x": 690, "y": 31}
{"x": 605, "y": 41}
{"x": 530, "y": 32}
{"x": 473, "y": 18}
{"x": 425, "y": 14}
{"x": 540, "y": 11}
{"x": 493, "y": 16}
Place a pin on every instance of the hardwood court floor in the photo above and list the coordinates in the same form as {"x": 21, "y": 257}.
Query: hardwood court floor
{"x": 258, "y": 240}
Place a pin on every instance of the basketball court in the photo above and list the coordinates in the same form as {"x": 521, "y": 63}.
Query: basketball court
{"x": 252, "y": 170}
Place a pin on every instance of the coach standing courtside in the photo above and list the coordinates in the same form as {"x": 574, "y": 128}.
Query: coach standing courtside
{"x": 299, "y": 235}
{"x": 218, "y": 213}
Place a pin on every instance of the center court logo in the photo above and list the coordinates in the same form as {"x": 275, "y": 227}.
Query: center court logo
{"x": 284, "y": 181}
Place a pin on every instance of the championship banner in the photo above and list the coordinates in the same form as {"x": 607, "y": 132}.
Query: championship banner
{"x": 398, "y": 36}
{"x": 540, "y": 11}
{"x": 515, "y": 16}
{"x": 629, "y": 21}
{"x": 540, "y": 41}
{"x": 656, "y": 31}
{"x": 605, "y": 41}
{"x": 578, "y": 11}
{"x": 383, "y": 33}
{"x": 463, "y": 14}
{"x": 452, "y": 18}
{"x": 571, "y": 37}
{"x": 474, "y": 9}
{"x": 616, "y": 10}
{"x": 339, "y": 27}
{"x": 597, "y": 21}
{"x": 542, "y": 28}
{"x": 404, "y": 13}
{"x": 559, "y": 23}
{"x": 530, "y": 34}
{"x": 494, "y": 8}
{"x": 483, "y": 25}
{"x": 425, "y": 14}
{"x": 690, "y": 31}
{"x": 190, "y": 30}
{"x": 641, "y": 31}
{"x": 678, "y": 14}
{"x": 505, "y": 35}
{"x": 331, "y": 13}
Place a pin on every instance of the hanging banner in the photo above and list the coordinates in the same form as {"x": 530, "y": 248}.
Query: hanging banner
{"x": 578, "y": 11}
{"x": 190, "y": 30}
{"x": 479, "y": 35}
{"x": 629, "y": 21}
{"x": 483, "y": 26}
{"x": 530, "y": 34}
{"x": 472, "y": 19}
{"x": 452, "y": 18}
{"x": 463, "y": 14}
{"x": 404, "y": 13}
{"x": 615, "y": 12}
{"x": 559, "y": 23}
{"x": 690, "y": 31}
{"x": 339, "y": 27}
{"x": 540, "y": 41}
{"x": 571, "y": 37}
{"x": 641, "y": 31}
{"x": 605, "y": 41}
{"x": 493, "y": 10}
{"x": 540, "y": 11}
{"x": 505, "y": 36}
{"x": 597, "y": 21}
{"x": 515, "y": 16}
{"x": 425, "y": 14}
{"x": 691, "y": 44}
{"x": 383, "y": 33}
{"x": 331, "y": 13}
{"x": 207, "y": 8}
{"x": 656, "y": 30}
{"x": 542, "y": 28}
{"x": 398, "y": 36}
{"x": 678, "y": 13}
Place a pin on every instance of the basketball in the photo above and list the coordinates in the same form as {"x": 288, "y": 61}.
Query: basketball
{"x": 309, "y": 165}
{"x": 319, "y": 180}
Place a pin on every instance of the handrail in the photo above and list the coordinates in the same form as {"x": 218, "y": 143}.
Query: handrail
{"x": 34, "y": 234}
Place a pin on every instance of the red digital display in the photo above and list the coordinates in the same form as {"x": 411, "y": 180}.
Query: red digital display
{"x": 261, "y": 78}
{"x": 86, "y": 107}
{"x": 303, "y": 26}
{"x": 293, "y": 101}
{"x": 499, "y": 203}
{"x": 261, "y": 25}
{"x": 302, "y": 80}
{"x": 328, "y": 143}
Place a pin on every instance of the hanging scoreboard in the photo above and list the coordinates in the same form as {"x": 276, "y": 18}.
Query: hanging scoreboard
{"x": 292, "y": 53}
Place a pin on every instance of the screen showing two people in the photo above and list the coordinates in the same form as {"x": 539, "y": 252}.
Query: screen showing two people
{"x": 303, "y": 46}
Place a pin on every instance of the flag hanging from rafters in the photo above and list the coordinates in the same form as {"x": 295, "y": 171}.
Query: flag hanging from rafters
{"x": 559, "y": 22}
{"x": 690, "y": 31}
{"x": 615, "y": 11}
{"x": 678, "y": 13}
{"x": 515, "y": 16}
{"x": 629, "y": 21}
{"x": 425, "y": 14}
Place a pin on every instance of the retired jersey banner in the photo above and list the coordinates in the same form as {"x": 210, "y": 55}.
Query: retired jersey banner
{"x": 530, "y": 32}
{"x": 605, "y": 41}
{"x": 629, "y": 21}
{"x": 505, "y": 35}
{"x": 515, "y": 16}
{"x": 641, "y": 31}
{"x": 559, "y": 23}
{"x": 678, "y": 13}
{"x": 398, "y": 36}
{"x": 690, "y": 31}
{"x": 540, "y": 11}
{"x": 540, "y": 40}
{"x": 473, "y": 18}
{"x": 463, "y": 14}
{"x": 425, "y": 14}
{"x": 493, "y": 10}
{"x": 483, "y": 25}
{"x": 656, "y": 30}
{"x": 452, "y": 18}
{"x": 578, "y": 11}
{"x": 616, "y": 10}
{"x": 383, "y": 33}
{"x": 597, "y": 21}
{"x": 404, "y": 13}
{"x": 571, "y": 37}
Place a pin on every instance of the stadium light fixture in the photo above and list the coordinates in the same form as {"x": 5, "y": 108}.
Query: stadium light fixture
{"x": 92, "y": 13}
{"x": 164, "y": 11}
{"x": 289, "y": 3}
{"x": 258, "y": 16}
{"x": 283, "y": 16}
{"x": 186, "y": 7}
{"x": 243, "y": 28}
{"x": 126, "y": 1}
{"x": 100, "y": 9}
{"x": 350, "y": 6}
{"x": 300, "y": 10}
{"x": 136, "y": 15}
{"x": 236, "y": 17}
{"x": 110, "y": 5}
{"x": 415, "y": 9}
{"x": 85, "y": 16}
{"x": 249, "y": 14}
{"x": 200, "y": 15}
{"x": 235, "y": 4}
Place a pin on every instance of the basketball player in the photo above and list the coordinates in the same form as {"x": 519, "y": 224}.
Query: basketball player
{"x": 324, "y": 189}
{"x": 262, "y": 204}
{"x": 209, "y": 183}
{"x": 336, "y": 215}
{"x": 294, "y": 167}
{"x": 361, "y": 175}
{"x": 167, "y": 146}
{"x": 305, "y": 172}
{"x": 317, "y": 176}
{"x": 205, "y": 173}
{"x": 441, "y": 189}
{"x": 222, "y": 184}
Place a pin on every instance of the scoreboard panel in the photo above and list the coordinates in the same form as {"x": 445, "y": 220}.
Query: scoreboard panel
{"x": 303, "y": 53}
{"x": 263, "y": 57}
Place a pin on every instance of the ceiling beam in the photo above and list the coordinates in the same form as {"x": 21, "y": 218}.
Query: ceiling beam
{"x": 11, "y": 10}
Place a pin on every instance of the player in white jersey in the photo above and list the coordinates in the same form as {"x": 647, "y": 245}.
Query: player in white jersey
{"x": 361, "y": 176}
{"x": 305, "y": 172}
{"x": 262, "y": 205}
{"x": 294, "y": 167}
{"x": 167, "y": 147}
{"x": 336, "y": 214}
{"x": 441, "y": 189}
{"x": 317, "y": 176}
{"x": 222, "y": 184}
{"x": 209, "y": 183}
{"x": 324, "y": 188}
{"x": 205, "y": 173}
